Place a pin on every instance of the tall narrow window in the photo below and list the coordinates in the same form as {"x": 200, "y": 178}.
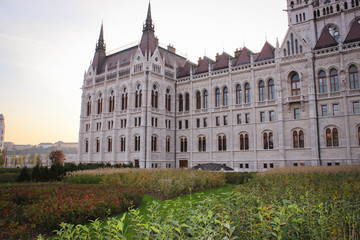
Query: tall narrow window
{"x": 153, "y": 143}
{"x": 183, "y": 144}
{"x": 335, "y": 136}
{"x": 332, "y": 137}
{"x": 99, "y": 104}
{"x": 328, "y": 138}
{"x": 266, "y": 143}
{"x": 225, "y": 96}
{"x": 205, "y": 99}
{"x": 109, "y": 142}
{"x": 154, "y": 97}
{"x": 168, "y": 100}
{"x": 238, "y": 94}
{"x": 268, "y": 140}
{"x": 88, "y": 107}
{"x": 87, "y": 145}
{"x": 112, "y": 102}
{"x": 261, "y": 91}
{"x": 271, "y": 89}
{"x": 301, "y": 139}
{"x": 295, "y": 85}
{"x": 354, "y": 77}
{"x": 295, "y": 139}
{"x": 168, "y": 144}
{"x": 138, "y": 97}
{"x": 202, "y": 144}
{"x": 181, "y": 102}
{"x": 124, "y": 99}
{"x": 247, "y": 93}
{"x": 222, "y": 143}
{"x": 198, "y": 100}
{"x": 97, "y": 145}
{"x": 244, "y": 141}
{"x": 334, "y": 80}
{"x": 137, "y": 143}
{"x": 271, "y": 140}
{"x": 322, "y": 82}
{"x": 217, "y": 97}
{"x": 187, "y": 102}
{"x": 122, "y": 144}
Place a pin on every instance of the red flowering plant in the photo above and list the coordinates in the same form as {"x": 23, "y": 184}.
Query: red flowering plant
{"x": 38, "y": 209}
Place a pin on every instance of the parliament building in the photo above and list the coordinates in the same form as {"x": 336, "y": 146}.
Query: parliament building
{"x": 293, "y": 104}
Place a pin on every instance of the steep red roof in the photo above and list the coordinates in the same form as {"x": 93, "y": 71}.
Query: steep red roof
{"x": 122, "y": 57}
{"x": 354, "y": 33}
{"x": 223, "y": 61}
{"x": 243, "y": 58}
{"x": 100, "y": 55}
{"x": 267, "y": 52}
{"x": 325, "y": 40}
{"x": 185, "y": 71}
{"x": 204, "y": 65}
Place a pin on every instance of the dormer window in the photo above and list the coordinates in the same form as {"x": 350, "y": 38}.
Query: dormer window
{"x": 327, "y": 1}
{"x": 334, "y": 32}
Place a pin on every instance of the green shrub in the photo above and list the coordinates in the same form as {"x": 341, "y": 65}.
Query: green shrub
{"x": 8, "y": 177}
{"x": 24, "y": 175}
{"x": 238, "y": 177}
{"x": 83, "y": 179}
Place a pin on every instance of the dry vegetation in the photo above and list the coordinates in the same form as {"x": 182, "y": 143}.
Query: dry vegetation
{"x": 312, "y": 169}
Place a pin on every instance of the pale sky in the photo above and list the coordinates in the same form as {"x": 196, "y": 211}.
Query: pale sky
{"x": 46, "y": 45}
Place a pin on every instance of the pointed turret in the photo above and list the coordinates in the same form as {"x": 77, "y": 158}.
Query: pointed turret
{"x": 100, "y": 54}
{"x": 148, "y": 42}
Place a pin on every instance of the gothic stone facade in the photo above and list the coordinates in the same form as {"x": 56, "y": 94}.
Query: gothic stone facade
{"x": 293, "y": 104}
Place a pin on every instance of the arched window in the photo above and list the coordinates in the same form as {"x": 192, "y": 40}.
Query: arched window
{"x": 217, "y": 97}
{"x": 138, "y": 96}
{"x": 99, "y": 104}
{"x": 153, "y": 143}
{"x": 187, "y": 101}
{"x": 122, "y": 144}
{"x": 222, "y": 143}
{"x": 244, "y": 141}
{"x": 137, "y": 143}
{"x": 261, "y": 91}
{"x": 268, "y": 140}
{"x": 183, "y": 144}
{"x": 354, "y": 77}
{"x": 225, "y": 96}
{"x": 112, "y": 102}
{"x": 109, "y": 143}
{"x": 154, "y": 97}
{"x": 97, "y": 147}
{"x": 322, "y": 82}
{"x": 202, "y": 144}
{"x": 295, "y": 85}
{"x": 334, "y": 80}
{"x": 359, "y": 134}
{"x": 198, "y": 100}
{"x": 124, "y": 99}
{"x": 167, "y": 144}
{"x": 168, "y": 100}
{"x": 271, "y": 89}
{"x": 88, "y": 107}
{"x": 238, "y": 94}
{"x": 298, "y": 139}
{"x": 181, "y": 102}
{"x": 86, "y": 145}
{"x": 205, "y": 100}
{"x": 332, "y": 137}
{"x": 247, "y": 93}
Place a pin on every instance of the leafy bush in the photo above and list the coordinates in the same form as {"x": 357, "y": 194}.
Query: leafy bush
{"x": 238, "y": 177}
{"x": 24, "y": 175}
{"x": 8, "y": 177}
{"x": 41, "y": 208}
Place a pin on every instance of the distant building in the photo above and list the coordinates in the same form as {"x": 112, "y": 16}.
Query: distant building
{"x": 2, "y": 131}
{"x": 297, "y": 103}
{"x": 62, "y": 145}
{"x": 45, "y": 145}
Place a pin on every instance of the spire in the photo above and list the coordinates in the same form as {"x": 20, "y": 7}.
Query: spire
{"x": 148, "y": 24}
{"x": 101, "y": 44}
{"x": 148, "y": 42}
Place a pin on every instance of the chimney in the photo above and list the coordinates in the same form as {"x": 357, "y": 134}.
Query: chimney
{"x": 217, "y": 57}
{"x": 237, "y": 52}
{"x": 171, "y": 48}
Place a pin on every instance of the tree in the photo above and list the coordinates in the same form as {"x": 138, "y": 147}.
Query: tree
{"x": 14, "y": 159}
{"x": 39, "y": 160}
{"x": 22, "y": 159}
{"x": 57, "y": 157}
{"x": 32, "y": 159}
{"x": 3, "y": 157}
{"x": 47, "y": 159}
{"x": 24, "y": 175}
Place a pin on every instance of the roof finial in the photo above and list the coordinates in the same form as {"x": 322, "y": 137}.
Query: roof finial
{"x": 148, "y": 22}
{"x": 101, "y": 44}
